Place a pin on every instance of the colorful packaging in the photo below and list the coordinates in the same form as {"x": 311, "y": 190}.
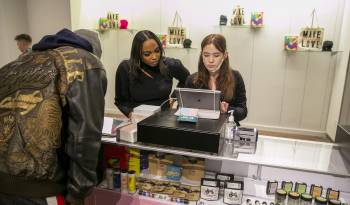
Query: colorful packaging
{"x": 116, "y": 179}
{"x": 291, "y": 43}
{"x": 173, "y": 172}
{"x": 163, "y": 39}
{"x": 131, "y": 182}
{"x": 257, "y": 19}
{"x": 134, "y": 160}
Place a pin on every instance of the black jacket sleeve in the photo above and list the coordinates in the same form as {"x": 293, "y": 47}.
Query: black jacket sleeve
{"x": 177, "y": 70}
{"x": 122, "y": 97}
{"x": 239, "y": 103}
{"x": 189, "y": 82}
{"x": 85, "y": 101}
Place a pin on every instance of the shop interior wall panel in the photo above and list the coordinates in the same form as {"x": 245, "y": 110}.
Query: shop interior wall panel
{"x": 294, "y": 85}
{"x": 257, "y": 53}
{"x": 315, "y": 87}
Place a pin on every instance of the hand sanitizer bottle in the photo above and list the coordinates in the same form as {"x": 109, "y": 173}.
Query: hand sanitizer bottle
{"x": 230, "y": 128}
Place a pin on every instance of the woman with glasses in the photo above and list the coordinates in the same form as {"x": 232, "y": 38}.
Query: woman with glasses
{"x": 215, "y": 73}
{"x": 147, "y": 77}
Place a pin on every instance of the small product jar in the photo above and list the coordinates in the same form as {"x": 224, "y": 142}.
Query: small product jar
{"x": 334, "y": 202}
{"x": 320, "y": 200}
{"x": 293, "y": 198}
{"x": 280, "y": 197}
{"x": 124, "y": 181}
{"x": 306, "y": 199}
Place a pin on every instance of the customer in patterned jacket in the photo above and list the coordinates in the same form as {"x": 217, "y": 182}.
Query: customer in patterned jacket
{"x": 51, "y": 116}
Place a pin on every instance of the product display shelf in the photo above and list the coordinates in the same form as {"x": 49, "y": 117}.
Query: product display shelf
{"x": 111, "y": 197}
{"x": 272, "y": 152}
{"x": 254, "y": 190}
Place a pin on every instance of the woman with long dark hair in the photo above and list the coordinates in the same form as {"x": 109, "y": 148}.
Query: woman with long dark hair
{"x": 147, "y": 77}
{"x": 215, "y": 73}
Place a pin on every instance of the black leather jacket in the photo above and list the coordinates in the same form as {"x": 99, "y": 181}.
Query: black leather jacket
{"x": 51, "y": 117}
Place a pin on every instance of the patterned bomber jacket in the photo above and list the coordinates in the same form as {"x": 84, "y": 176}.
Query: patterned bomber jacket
{"x": 51, "y": 116}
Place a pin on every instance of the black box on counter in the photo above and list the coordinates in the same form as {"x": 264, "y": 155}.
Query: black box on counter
{"x": 163, "y": 129}
{"x": 245, "y": 140}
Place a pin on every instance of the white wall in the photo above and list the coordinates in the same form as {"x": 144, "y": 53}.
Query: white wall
{"x": 34, "y": 17}
{"x": 285, "y": 91}
{"x": 13, "y": 21}
{"x": 47, "y": 17}
{"x": 340, "y": 74}
{"x": 345, "y": 107}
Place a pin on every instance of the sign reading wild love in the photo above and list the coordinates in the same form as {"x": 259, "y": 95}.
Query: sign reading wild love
{"x": 311, "y": 38}
{"x": 176, "y": 33}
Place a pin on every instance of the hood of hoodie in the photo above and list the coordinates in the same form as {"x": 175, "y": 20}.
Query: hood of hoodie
{"x": 93, "y": 38}
{"x": 64, "y": 37}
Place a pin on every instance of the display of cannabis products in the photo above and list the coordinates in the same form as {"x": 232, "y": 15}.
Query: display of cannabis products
{"x": 280, "y": 196}
{"x": 124, "y": 181}
{"x": 271, "y": 187}
{"x": 334, "y": 202}
{"x": 287, "y": 186}
{"x": 222, "y": 178}
{"x": 300, "y": 188}
{"x": 233, "y": 192}
{"x": 209, "y": 189}
{"x": 316, "y": 191}
{"x": 131, "y": 182}
{"x": 332, "y": 194}
{"x": 305, "y": 199}
{"x": 320, "y": 200}
{"x": 293, "y": 198}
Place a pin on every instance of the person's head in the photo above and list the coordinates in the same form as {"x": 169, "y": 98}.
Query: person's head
{"x": 93, "y": 38}
{"x": 213, "y": 61}
{"x": 24, "y": 42}
{"x": 146, "y": 48}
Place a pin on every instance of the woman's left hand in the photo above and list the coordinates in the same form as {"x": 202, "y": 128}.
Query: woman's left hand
{"x": 223, "y": 107}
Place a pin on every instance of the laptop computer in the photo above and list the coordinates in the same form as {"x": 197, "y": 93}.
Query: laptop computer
{"x": 206, "y": 101}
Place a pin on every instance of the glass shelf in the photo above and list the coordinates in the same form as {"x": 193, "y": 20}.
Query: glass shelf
{"x": 240, "y": 26}
{"x": 319, "y": 157}
{"x": 131, "y": 31}
{"x": 313, "y": 51}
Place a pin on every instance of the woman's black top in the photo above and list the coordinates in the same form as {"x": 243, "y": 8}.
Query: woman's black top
{"x": 239, "y": 101}
{"x": 131, "y": 92}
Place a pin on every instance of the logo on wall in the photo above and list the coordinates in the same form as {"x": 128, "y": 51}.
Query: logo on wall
{"x": 176, "y": 33}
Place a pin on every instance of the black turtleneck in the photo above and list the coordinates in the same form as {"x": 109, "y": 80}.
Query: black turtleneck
{"x": 130, "y": 92}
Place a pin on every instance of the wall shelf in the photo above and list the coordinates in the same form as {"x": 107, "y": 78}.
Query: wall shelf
{"x": 240, "y": 26}
{"x": 131, "y": 31}
{"x": 314, "y": 51}
{"x": 272, "y": 152}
